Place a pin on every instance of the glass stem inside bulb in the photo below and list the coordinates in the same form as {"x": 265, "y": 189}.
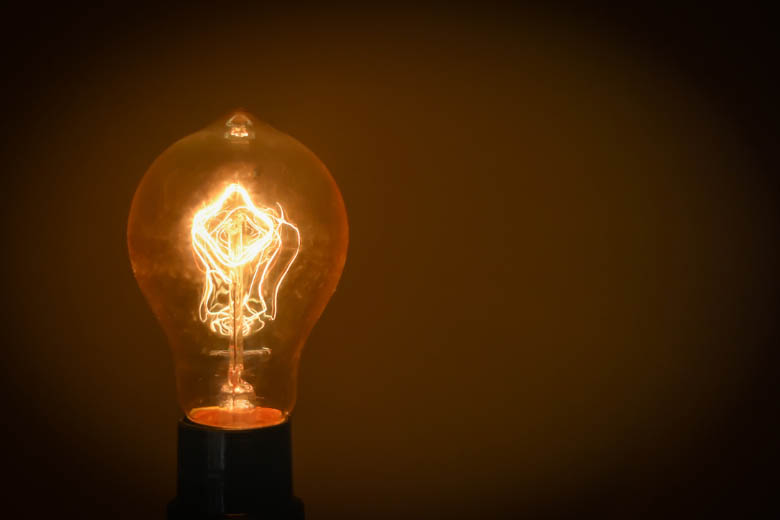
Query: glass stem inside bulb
{"x": 237, "y": 346}
{"x": 237, "y": 393}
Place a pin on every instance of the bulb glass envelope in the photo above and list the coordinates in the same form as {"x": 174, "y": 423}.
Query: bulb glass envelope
{"x": 237, "y": 237}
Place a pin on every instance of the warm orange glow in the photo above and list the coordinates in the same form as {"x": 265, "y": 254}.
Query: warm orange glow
{"x": 256, "y": 417}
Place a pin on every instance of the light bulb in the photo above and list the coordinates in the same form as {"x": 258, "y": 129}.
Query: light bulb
{"x": 237, "y": 237}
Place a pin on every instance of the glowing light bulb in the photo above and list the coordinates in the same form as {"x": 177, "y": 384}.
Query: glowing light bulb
{"x": 237, "y": 237}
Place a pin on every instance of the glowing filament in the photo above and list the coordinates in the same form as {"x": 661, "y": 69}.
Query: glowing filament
{"x": 244, "y": 252}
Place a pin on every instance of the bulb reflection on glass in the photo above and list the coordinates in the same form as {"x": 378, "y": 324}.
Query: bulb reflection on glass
{"x": 237, "y": 237}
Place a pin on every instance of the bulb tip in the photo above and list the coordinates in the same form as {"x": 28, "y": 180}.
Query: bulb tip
{"x": 239, "y": 127}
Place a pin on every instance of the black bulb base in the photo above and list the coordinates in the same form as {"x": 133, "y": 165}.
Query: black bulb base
{"x": 236, "y": 474}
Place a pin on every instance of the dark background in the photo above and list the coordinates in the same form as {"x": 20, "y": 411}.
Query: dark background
{"x": 560, "y": 293}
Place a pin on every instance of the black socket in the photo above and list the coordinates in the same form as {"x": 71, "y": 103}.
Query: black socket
{"x": 234, "y": 474}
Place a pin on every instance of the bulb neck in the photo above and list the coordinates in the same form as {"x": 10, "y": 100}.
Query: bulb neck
{"x": 243, "y": 474}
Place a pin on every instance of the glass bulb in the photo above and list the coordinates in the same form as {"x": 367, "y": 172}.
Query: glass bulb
{"x": 237, "y": 237}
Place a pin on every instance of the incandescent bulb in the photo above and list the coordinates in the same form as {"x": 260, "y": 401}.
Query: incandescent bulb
{"x": 237, "y": 237}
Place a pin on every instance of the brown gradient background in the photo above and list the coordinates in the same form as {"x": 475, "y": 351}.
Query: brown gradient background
{"x": 560, "y": 289}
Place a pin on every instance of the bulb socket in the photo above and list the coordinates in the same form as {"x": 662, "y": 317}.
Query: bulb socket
{"x": 243, "y": 474}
